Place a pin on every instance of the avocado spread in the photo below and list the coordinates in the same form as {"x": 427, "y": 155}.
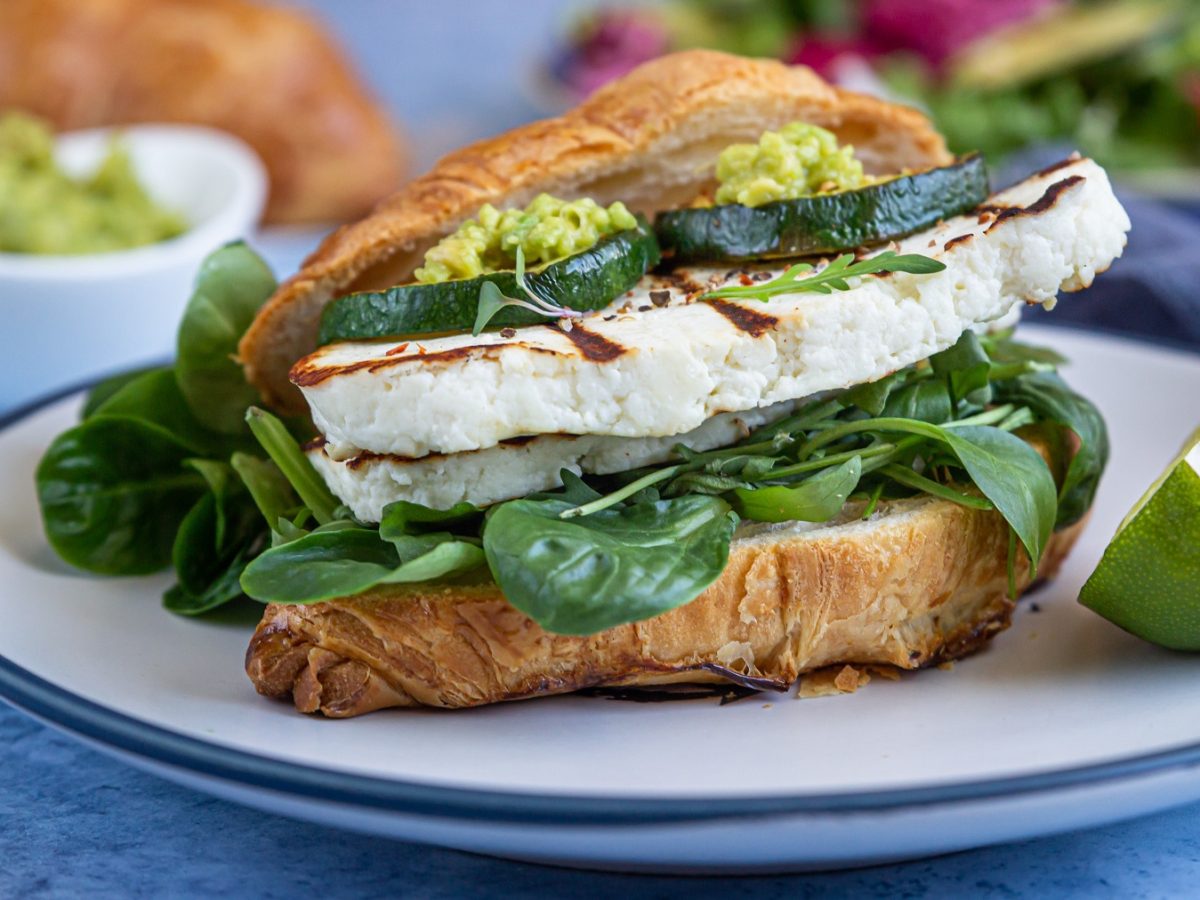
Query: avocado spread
{"x": 799, "y": 160}
{"x": 548, "y": 229}
{"x": 45, "y": 210}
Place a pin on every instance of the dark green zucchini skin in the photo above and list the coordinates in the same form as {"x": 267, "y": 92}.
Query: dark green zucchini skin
{"x": 588, "y": 280}
{"x": 824, "y": 223}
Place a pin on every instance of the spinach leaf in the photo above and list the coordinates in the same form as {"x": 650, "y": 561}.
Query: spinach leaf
{"x": 872, "y": 397}
{"x": 268, "y": 488}
{"x": 348, "y": 560}
{"x": 154, "y": 398}
{"x": 446, "y": 557}
{"x": 1014, "y": 477}
{"x": 1051, "y": 399}
{"x": 813, "y": 412}
{"x": 1003, "y": 350}
{"x": 404, "y": 518}
{"x": 285, "y": 452}
{"x": 1010, "y": 473}
{"x": 965, "y": 368}
{"x": 219, "y": 528}
{"x": 223, "y": 587}
{"x": 574, "y": 489}
{"x": 721, "y": 475}
{"x": 904, "y": 475}
{"x": 585, "y": 574}
{"x": 926, "y": 400}
{"x": 816, "y": 499}
{"x": 232, "y": 284}
{"x": 702, "y": 483}
{"x": 102, "y": 390}
{"x": 113, "y": 492}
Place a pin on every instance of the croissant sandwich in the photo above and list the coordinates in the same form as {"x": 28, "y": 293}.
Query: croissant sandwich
{"x": 712, "y": 379}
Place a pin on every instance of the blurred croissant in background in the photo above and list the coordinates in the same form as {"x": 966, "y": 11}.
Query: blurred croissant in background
{"x": 271, "y": 76}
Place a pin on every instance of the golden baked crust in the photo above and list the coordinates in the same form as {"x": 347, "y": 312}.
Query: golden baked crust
{"x": 923, "y": 581}
{"x": 267, "y": 74}
{"x": 649, "y": 139}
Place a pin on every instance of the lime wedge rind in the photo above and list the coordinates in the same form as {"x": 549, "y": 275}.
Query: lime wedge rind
{"x": 1148, "y": 581}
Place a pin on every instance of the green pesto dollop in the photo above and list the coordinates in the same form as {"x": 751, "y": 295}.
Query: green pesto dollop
{"x": 546, "y": 230}
{"x": 44, "y": 210}
{"x": 799, "y": 160}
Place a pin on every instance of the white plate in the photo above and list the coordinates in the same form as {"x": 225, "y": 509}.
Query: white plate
{"x": 1066, "y": 721}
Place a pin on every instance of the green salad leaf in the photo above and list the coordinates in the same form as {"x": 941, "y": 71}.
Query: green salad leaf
{"x": 816, "y": 499}
{"x": 223, "y": 587}
{"x": 834, "y": 277}
{"x": 232, "y": 284}
{"x": 1049, "y": 397}
{"x": 154, "y": 397}
{"x": 925, "y": 400}
{"x": 216, "y": 539}
{"x": 872, "y": 397}
{"x": 104, "y": 389}
{"x": 146, "y": 480}
{"x": 966, "y": 369}
{"x": 113, "y": 492}
{"x": 283, "y": 450}
{"x": 1014, "y": 477}
{"x": 328, "y": 564}
{"x": 619, "y": 565}
{"x": 268, "y": 487}
{"x": 405, "y": 518}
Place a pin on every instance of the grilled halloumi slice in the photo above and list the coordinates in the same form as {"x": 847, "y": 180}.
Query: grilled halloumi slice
{"x": 370, "y": 481}
{"x": 651, "y": 366}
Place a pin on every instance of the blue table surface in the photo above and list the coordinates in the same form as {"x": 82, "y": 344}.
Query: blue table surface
{"x": 73, "y": 821}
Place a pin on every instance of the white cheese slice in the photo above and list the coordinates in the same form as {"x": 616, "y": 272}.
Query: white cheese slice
{"x": 369, "y": 482}
{"x": 641, "y": 370}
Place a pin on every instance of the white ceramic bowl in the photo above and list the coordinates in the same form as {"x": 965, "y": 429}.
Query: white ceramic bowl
{"x": 65, "y": 318}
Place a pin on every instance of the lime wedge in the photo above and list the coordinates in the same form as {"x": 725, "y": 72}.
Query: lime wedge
{"x": 1148, "y": 581}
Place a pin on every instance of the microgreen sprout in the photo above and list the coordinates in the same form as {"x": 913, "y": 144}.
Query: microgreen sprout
{"x": 492, "y": 300}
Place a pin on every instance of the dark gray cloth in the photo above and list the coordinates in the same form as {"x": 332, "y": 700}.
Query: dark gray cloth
{"x": 1151, "y": 290}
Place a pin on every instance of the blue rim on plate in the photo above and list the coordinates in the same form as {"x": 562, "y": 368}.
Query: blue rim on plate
{"x": 117, "y": 731}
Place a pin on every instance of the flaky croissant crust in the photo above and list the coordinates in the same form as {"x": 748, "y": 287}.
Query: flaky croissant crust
{"x": 922, "y": 582}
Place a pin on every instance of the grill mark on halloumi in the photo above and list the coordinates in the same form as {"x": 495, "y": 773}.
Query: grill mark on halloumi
{"x": 684, "y": 284}
{"x": 591, "y": 345}
{"x": 750, "y": 321}
{"x": 1043, "y": 204}
{"x": 305, "y": 374}
{"x": 1061, "y": 164}
{"x": 368, "y": 457}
